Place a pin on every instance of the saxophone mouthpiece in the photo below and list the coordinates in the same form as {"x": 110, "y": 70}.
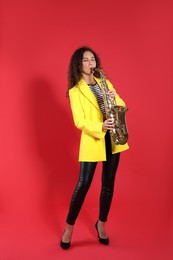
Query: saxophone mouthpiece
{"x": 92, "y": 69}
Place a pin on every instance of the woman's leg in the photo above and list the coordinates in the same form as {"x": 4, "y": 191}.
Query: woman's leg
{"x": 108, "y": 178}
{"x": 87, "y": 170}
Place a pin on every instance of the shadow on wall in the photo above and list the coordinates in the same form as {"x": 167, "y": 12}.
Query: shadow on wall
{"x": 55, "y": 140}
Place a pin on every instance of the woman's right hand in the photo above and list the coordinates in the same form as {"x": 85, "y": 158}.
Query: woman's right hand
{"x": 108, "y": 124}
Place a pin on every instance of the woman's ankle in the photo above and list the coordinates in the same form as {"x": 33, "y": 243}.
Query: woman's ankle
{"x": 102, "y": 229}
{"x": 66, "y": 238}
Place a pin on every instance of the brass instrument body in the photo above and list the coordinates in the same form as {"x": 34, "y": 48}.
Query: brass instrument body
{"x": 119, "y": 133}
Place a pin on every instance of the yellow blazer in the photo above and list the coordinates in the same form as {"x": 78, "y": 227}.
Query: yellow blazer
{"x": 88, "y": 117}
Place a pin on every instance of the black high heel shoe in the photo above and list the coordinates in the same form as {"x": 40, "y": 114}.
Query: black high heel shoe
{"x": 64, "y": 245}
{"x": 104, "y": 241}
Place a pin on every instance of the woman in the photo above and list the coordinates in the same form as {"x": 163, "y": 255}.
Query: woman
{"x": 95, "y": 145}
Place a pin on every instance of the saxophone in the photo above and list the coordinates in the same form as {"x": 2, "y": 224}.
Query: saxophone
{"x": 119, "y": 133}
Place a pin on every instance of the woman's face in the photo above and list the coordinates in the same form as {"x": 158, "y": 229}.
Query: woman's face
{"x": 88, "y": 62}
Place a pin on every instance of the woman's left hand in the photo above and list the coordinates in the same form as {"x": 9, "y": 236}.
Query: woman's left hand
{"x": 111, "y": 93}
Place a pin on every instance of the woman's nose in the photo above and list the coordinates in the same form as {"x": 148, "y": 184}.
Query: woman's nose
{"x": 91, "y": 62}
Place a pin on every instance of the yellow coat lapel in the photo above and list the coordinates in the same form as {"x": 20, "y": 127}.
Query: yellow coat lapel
{"x": 86, "y": 91}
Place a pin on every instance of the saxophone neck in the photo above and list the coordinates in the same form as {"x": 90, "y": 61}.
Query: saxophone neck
{"x": 98, "y": 73}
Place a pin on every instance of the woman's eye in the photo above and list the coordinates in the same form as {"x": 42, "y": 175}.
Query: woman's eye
{"x": 87, "y": 60}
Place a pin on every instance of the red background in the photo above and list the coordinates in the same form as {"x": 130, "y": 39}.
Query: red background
{"x": 39, "y": 144}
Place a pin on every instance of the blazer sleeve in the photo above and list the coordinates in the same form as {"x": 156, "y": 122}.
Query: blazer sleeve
{"x": 92, "y": 128}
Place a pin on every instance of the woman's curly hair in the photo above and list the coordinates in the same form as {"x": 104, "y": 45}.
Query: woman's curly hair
{"x": 74, "y": 71}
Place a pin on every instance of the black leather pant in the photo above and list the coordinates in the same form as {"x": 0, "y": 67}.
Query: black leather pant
{"x": 87, "y": 170}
